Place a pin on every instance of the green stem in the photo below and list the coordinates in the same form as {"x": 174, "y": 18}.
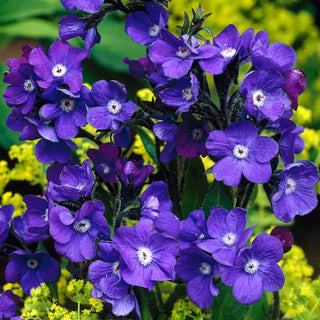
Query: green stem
{"x": 276, "y": 306}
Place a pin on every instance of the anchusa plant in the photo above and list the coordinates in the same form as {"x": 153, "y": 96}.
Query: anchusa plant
{"x": 126, "y": 225}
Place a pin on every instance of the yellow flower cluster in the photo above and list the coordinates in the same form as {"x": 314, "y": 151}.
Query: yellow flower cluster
{"x": 300, "y": 296}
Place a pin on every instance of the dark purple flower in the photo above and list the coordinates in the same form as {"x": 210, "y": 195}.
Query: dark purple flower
{"x": 226, "y": 45}
{"x": 32, "y": 269}
{"x": 63, "y": 65}
{"x": 90, "y": 6}
{"x": 265, "y": 94}
{"x": 72, "y": 26}
{"x": 104, "y": 161}
{"x": 6, "y": 212}
{"x": 193, "y": 230}
{"x": 199, "y": 270}
{"x": 175, "y": 55}
{"x": 74, "y": 182}
{"x": 296, "y": 83}
{"x": 167, "y": 131}
{"x": 191, "y": 136}
{"x": 104, "y": 273}
{"x": 157, "y": 206}
{"x": 241, "y": 151}
{"x": 285, "y": 236}
{"x": 8, "y": 302}
{"x": 144, "y": 27}
{"x": 295, "y": 195}
{"x": 23, "y": 89}
{"x": 255, "y": 269}
{"x": 149, "y": 256}
{"x": 278, "y": 57}
{"x": 182, "y": 94}
{"x": 227, "y": 232}
{"x": 113, "y": 107}
{"x": 133, "y": 172}
{"x": 75, "y": 235}
{"x": 67, "y": 109}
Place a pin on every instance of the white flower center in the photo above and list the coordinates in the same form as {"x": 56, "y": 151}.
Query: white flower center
{"x": 67, "y": 105}
{"x": 32, "y": 263}
{"x": 197, "y": 134}
{"x": 28, "y": 86}
{"x": 240, "y": 151}
{"x": 115, "y": 268}
{"x": 258, "y": 98}
{"x": 106, "y": 168}
{"x": 154, "y": 30}
{"x": 205, "y": 268}
{"x": 114, "y": 106}
{"x": 229, "y": 239}
{"x": 82, "y": 226}
{"x": 251, "y": 266}
{"x": 291, "y": 186}
{"x": 144, "y": 256}
{"x": 183, "y": 52}
{"x": 59, "y": 70}
{"x": 228, "y": 53}
{"x": 187, "y": 94}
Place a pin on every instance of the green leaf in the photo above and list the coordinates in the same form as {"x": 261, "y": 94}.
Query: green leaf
{"x": 225, "y": 307}
{"x": 15, "y": 10}
{"x": 195, "y": 186}
{"x": 8, "y": 137}
{"x": 218, "y": 195}
{"x": 31, "y": 28}
{"x": 115, "y": 46}
{"x": 148, "y": 143}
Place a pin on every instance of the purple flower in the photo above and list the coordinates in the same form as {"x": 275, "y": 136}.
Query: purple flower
{"x": 241, "y": 151}
{"x": 157, "y": 206}
{"x": 113, "y": 106}
{"x": 75, "y": 236}
{"x": 74, "y": 182}
{"x": 226, "y": 46}
{"x": 183, "y": 93}
{"x": 8, "y": 302}
{"x": 72, "y": 26}
{"x": 145, "y": 28}
{"x": 23, "y": 89}
{"x": 193, "y": 230}
{"x": 199, "y": 270}
{"x": 6, "y": 212}
{"x": 296, "y": 83}
{"x": 227, "y": 232}
{"x": 149, "y": 256}
{"x": 90, "y": 6}
{"x": 265, "y": 94}
{"x": 191, "y": 136}
{"x": 255, "y": 269}
{"x": 175, "y": 55}
{"x": 295, "y": 195}
{"x": 62, "y": 66}
{"x": 133, "y": 172}
{"x": 278, "y": 57}
{"x": 104, "y": 273}
{"x": 285, "y": 236}
{"x": 67, "y": 109}
{"x": 104, "y": 161}
{"x": 32, "y": 269}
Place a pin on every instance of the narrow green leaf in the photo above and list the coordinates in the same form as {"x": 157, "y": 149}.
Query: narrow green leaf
{"x": 218, "y": 195}
{"x": 31, "y": 28}
{"x": 195, "y": 186}
{"x": 148, "y": 143}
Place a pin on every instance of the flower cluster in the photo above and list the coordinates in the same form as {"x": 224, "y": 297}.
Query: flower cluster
{"x": 88, "y": 208}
